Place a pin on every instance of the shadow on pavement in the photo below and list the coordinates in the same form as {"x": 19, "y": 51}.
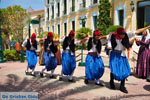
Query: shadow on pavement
{"x": 47, "y": 91}
{"x": 124, "y": 97}
{"x": 117, "y": 85}
{"x": 147, "y": 87}
{"x": 56, "y": 90}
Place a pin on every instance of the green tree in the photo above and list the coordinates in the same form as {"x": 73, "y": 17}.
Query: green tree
{"x": 4, "y": 28}
{"x": 16, "y": 18}
{"x": 104, "y": 20}
{"x": 13, "y": 22}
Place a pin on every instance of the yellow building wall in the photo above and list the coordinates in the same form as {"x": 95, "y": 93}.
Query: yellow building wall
{"x": 131, "y": 17}
{"x": 77, "y": 15}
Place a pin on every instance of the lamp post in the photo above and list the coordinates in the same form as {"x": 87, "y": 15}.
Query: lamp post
{"x": 22, "y": 51}
{"x": 32, "y": 22}
{"x": 132, "y": 6}
{"x": 82, "y": 22}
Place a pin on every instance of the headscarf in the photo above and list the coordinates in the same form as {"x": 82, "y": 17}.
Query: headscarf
{"x": 72, "y": 33}
{"x": 33, "y": 37}
{"x": 96, "y": 33}
{"x": 147, "y": 36}
{"x": 50, "y": 35}
{"x": 118, "y": 32}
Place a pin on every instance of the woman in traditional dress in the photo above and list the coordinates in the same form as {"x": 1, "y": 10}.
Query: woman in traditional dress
{"x": 58, "y": 53}
{"x": 143, "y": 61}
{"x": 41, "y": 62}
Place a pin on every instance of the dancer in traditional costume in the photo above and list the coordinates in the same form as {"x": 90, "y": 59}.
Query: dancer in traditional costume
{"x": 118, "y": 62}
{"x": 68, "y": 56}
{"x": 118, "y": 42}
{"x": 49, "y": 57}
{"x": 94, "y": 67}
{"x": 31, "y": 45}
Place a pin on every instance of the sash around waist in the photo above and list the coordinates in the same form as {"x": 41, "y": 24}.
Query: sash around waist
{"x": 93, "y": 53}
{"x": 117, "y": 51}
{"x": 67, "y": 51}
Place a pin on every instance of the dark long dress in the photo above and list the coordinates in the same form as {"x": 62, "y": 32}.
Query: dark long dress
{"x": 58, "y": 56}
{"x": 143, "y": 62}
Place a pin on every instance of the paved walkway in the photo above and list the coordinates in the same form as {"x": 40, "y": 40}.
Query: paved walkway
{"x": 13, "y": 79}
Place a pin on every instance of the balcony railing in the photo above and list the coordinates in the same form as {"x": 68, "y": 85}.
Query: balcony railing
{"x": 95, "y": 1}
{"x": 64, "y": 12}
{"x": 52, "y": 16}
{"x": 57, "y": 14}
{"x": 47, "y": 18}
{"x": 52, "y": 2}
{"x": 83, "y": 5}
{"x": 72, "y": 9}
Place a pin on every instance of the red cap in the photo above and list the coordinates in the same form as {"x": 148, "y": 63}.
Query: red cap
{"x": 120, "y": 30}
{"x": 33, "y": 35}
{"x": 97, "y": 32}
{"x": 72, "y": 32}
{"x": 50, "y": 34}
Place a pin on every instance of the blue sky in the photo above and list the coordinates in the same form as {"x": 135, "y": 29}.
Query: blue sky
{"x": 35, "y": 4}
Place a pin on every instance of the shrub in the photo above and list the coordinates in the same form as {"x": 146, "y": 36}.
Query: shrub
{"x": 112, "y": 28}
{"x": 83, "y": 32}
{"x": 41, "y": 35}
{"x": 45, "y": 33}
{"x": 11, "y": 55}
{"x": 80, "y": 47}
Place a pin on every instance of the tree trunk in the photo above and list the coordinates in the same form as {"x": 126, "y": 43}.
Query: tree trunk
{"x": 39, "y": 26}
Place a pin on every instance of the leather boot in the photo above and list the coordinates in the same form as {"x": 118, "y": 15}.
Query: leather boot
{"x": 148, "y": 78}
{"x": 122, "y": 87}
{"x": 112, "y": 86}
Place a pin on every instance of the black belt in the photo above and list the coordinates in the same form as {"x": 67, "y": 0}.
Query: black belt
{"x": 32, "y": 50}
{"x": 117, "y": 51}
{"x": 67, "y": 51}
{"x": 93, "y": 53}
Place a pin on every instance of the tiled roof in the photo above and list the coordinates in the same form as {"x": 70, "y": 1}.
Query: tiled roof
{"x": 36, "y": 12}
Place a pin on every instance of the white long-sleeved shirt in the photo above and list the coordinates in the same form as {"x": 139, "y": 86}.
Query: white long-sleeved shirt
{"x": 48, "y": 47}
{"x": 76, "y": 42}
{"x": 93, "y": 49}
{"x": 32, "y": 47}
{"x": 119, "y": 46}
{"x": 68, "y": 48}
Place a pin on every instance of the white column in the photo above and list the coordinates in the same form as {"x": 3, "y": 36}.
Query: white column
{"x": 134, "y": 21}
